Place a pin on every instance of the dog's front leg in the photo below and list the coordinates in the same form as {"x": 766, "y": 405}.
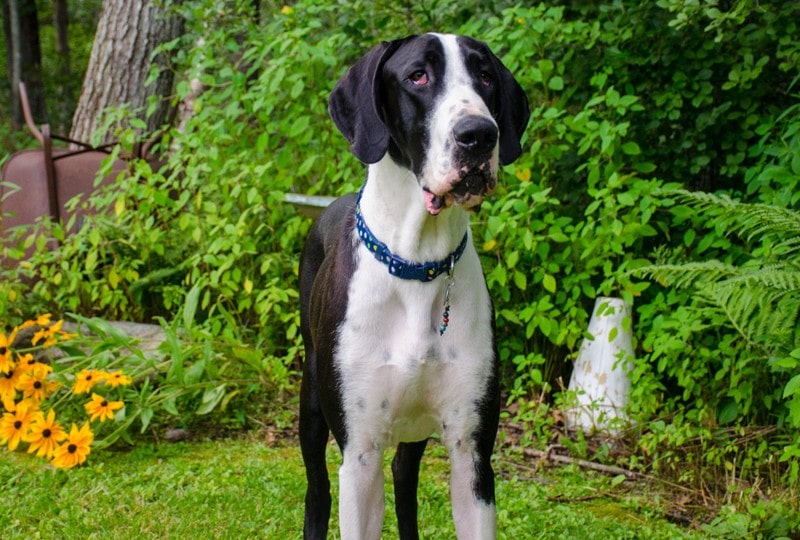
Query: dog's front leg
{"x": 471, "y": 490}
{"x": 361, "y": 492}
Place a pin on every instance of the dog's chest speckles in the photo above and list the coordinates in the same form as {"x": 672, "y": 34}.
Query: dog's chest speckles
{"x": 401, "y": 379}
{"x": 397, "y": 392}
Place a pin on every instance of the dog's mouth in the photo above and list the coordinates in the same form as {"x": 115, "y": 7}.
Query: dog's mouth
{"x": 468, "y": 192}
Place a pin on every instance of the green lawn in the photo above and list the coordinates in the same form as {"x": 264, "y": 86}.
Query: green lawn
{"x": 246, "y": 489}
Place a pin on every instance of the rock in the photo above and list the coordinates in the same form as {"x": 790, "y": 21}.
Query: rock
{"x": 149, "y": 336}
{"x": 174, "y": 435}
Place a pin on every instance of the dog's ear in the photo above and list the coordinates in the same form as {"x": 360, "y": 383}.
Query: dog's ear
{"x": 354, "y": 105}
{"x": 512, "y": 114}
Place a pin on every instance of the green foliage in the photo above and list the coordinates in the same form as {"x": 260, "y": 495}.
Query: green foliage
{"x": 707, "y": 78}
{"x": 721, "y": 343}
{"x": 630, "y": 101}
{"x": 751, "y": 375}
{"x": 576, "y": 209}
{"x": 761, "y": 297}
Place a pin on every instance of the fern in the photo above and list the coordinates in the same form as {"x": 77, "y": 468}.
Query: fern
{"x": 752, "y": 220}
{"x": 758, "y": 314}
{"x": 760, "y": 299}
{"x": 687, "y": 274}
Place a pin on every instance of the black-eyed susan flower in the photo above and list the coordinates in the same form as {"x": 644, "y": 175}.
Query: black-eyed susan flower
{"x": 99, "y": 408}
{"x": 27, "y": 362}
{"x": 8, "y": 387}
{"x": 15, "y": 424}
{"x": 44, "y": 434}
{"x": 48, "y": 334}
{"x": 6, "y": 365}
{"x": 41, "y": 320}
{"x": 117, "y": 378}
{"x": 74, "y": 450}
{"x": 86, "y": 379}
{"x": 33, "y": 383}
{"x": 6, "y": 360}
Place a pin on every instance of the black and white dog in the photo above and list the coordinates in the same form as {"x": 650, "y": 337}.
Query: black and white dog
{"x": 396, "y": 317}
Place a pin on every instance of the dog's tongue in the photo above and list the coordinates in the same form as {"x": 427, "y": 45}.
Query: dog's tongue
{"x": 434, "y": 203}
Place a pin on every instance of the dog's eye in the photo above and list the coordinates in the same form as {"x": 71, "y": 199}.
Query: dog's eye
{"x": 486, "y": 79}
{"x": 419, "y": 78}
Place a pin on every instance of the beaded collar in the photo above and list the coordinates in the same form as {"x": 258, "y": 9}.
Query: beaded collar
{"x": 398, "y": 266}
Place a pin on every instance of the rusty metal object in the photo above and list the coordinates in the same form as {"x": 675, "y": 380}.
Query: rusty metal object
{"x": 26, "y": 112}
{"x": 38, "y": 182}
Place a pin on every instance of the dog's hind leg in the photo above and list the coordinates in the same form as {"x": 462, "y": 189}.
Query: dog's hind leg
{"x": 313, "y": 442}
{"x": 405, "y": 469}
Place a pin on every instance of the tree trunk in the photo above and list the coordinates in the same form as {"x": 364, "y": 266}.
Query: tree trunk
{"x": 61, "y": 22}
{"x": 24, "y": 55}
{"x": 127, "y": 34}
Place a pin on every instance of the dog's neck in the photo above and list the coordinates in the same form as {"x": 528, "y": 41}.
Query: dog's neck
{"x": 393, "y": 206}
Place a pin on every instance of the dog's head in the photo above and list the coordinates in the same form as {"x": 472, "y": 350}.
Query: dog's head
{"x": 443, "y": 106}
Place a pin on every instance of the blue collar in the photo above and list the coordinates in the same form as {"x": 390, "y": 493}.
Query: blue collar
{"x": 398, "y": 266}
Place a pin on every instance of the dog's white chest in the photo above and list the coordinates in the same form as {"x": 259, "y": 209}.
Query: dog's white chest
{"x": 402, "y": 380}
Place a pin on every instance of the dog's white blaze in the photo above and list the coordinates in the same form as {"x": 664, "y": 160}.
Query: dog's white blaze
{"x": 458, "y": 99}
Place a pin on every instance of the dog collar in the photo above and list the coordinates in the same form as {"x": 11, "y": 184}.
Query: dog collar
{"x": 398, "y": 266}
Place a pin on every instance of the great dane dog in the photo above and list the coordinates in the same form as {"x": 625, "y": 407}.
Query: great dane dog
{"x": 396, "y": 317}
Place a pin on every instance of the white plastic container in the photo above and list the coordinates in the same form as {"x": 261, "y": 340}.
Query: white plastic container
{"x": 600, "y": 376}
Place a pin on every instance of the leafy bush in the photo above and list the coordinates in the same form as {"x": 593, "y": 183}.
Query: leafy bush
{"x": 760, "y": 298}
{"x": 630, "y": 101}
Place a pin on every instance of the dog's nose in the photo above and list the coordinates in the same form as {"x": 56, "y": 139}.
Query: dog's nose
{"x": 476, "y": 134}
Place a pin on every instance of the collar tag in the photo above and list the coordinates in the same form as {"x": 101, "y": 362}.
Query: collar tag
{"x": 449, "y": 281}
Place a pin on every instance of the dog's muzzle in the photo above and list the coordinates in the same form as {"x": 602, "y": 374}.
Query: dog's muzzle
{"x": 476, "y": 139}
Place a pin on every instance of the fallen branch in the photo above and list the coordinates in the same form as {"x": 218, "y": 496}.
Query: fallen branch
{"x": 548, "y": 455}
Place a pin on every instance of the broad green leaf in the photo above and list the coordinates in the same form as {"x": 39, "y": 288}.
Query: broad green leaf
{"x": 549, "y": 283}
{"x": 190, "y": 305}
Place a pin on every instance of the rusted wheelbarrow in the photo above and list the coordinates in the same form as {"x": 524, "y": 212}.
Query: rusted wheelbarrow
{"x": 40, "y": 181}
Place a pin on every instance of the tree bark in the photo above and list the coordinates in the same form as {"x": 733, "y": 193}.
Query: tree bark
{"x": 127, "y": 34}
{"x": 24, "y": 55}
{"x": 61, "y": 22}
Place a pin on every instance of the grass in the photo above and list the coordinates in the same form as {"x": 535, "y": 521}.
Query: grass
{"x": 246, "y": 489}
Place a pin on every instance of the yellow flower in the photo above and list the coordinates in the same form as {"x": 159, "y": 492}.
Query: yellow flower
{"x": 14, "y": 425}
{"x": 75, "y": 449}
{"x": 45, "y": 434}
{"x": 117, "y": 378}
{"x": 33, "y": 383}
{"x": 41, "y": 320}
{"x": 6, "y": 363}
{"x": 102, "y": 409}
{"x": 26, "y": 362}
{"x": 48, "y": 334}
{"x": 287, "y": 10}
{"x": 86, "y": 379}
{"x": 8, "y": 402}
{"x": 8, "y": 387}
